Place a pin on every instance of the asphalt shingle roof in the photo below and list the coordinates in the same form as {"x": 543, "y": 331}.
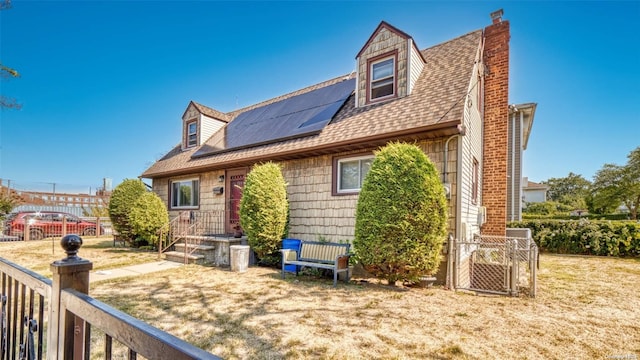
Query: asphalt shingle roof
{"x": 437, "y": 100}
{"x": 211, "y": 112}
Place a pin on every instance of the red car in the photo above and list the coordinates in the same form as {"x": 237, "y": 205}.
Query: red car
{"x": 43, "y": 224}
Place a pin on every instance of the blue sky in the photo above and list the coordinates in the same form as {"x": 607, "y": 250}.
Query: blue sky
{"x": 103, "y": 85}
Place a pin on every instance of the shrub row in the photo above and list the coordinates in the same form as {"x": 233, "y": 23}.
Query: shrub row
{"x": 586, "y": 237}
{"x": 566, "y": 216}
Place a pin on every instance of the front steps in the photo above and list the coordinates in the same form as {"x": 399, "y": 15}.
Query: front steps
{"x": 204, "y": 250}
{"x": 196, "y": 254}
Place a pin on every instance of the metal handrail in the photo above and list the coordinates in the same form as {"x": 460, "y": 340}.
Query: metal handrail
{"x": 190, "y": 223}
{"x": 168, "y": 232}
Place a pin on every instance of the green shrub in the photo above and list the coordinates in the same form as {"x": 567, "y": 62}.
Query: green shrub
{"x": 147, "y": 216}
{"x": 587, "y": 237}
{"x": 7, "y": 203}
{"x": 121, "y": 203}
{"x": 567, "y": 216}
{"x": 546, "y": 208}
{"x": 401, "y": 215}
{"x": 264, "y": 208}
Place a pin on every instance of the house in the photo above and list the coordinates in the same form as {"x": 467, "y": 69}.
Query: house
{"x": 451, "y": 99}
{"x": 533, "y": 192}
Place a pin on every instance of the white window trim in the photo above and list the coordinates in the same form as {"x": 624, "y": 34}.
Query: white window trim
{"x": 188, "y": 136}
{"x": 339, "y": 173}
{"x": 392, "y": 77}
{"x": 171, "y": 194}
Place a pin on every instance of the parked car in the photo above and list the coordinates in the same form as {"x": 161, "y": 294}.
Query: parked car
{"x": 43, "y": 224}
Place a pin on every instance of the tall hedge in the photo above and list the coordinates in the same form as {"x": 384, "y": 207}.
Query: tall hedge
{"x": 147, "y": 216}
{"x": 401, "y": 215}
{"x": 586, "y": 237}
{"x": 264, "y": 208}
{"x": 122, "y": 201}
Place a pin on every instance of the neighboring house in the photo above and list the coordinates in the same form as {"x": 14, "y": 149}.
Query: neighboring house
{"x": 533, "y": 192}
{"x": 520, "y": 123}
{"x": 450, "y": 99}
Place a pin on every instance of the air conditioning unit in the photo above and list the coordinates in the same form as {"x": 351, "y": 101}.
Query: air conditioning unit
{"x": 482, "y": 215}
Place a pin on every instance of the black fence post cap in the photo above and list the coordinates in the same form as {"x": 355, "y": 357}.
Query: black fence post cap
{"x": 71, "y": 244}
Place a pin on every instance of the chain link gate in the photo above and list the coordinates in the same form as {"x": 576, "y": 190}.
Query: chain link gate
{"x": 495, "y": 264}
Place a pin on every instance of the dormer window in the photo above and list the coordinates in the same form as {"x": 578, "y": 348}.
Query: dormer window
{"x": 382, "y": 77}
{"x": 192, "y": 133}
{"x": 388, "y": 66}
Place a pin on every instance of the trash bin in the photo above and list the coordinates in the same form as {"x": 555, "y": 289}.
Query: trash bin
{"x": 239, "y": 258}
{"x": 293, "y": 244}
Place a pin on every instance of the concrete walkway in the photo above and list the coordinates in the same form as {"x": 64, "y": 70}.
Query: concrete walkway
{"x": 133, "y": 270}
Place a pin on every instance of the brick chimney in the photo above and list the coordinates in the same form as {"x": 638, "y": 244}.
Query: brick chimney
{"x": 496, "y": 114}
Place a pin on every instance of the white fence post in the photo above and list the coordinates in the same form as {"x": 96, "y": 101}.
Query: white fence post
{"x": 514, "y": 267}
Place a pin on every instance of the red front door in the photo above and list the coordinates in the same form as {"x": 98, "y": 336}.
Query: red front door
{"x": 235, "y": 185}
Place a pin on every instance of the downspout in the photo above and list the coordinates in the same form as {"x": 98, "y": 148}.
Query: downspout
{"x": 449, "y": 282}
{"x": 459, "y": 182}
{"x": 520, "y": 151}
{"x": 446, "y": 150}
{"x": 461, "y": 132}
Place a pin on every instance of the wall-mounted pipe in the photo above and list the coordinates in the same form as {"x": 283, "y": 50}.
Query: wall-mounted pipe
{"x": 462, "y": 131}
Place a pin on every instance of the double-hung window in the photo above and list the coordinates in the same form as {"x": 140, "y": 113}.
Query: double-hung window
{"x": 382, "y": 75}
{"x": 185, "y": 194}
{"x": 350, "y": 173}
{"x": 192, "y": 133}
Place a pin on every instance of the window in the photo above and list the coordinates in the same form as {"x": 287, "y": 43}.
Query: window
{"x": 474, "y": 182}
{"x": 382, "y": 78}
{"x": 72, "y": 219}
{"x": 185, "y": 193}
{"x": 350, "y": 173}
{"x": 192, "y": 133}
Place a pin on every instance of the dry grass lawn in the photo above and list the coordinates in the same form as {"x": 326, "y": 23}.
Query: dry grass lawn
{"x": 38, "y": 255}
{"x": 586, "y": 308}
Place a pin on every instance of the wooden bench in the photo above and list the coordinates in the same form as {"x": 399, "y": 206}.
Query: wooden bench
{"x": 322, "y": 255}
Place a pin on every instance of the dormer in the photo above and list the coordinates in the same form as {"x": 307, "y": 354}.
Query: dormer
{"x": 199, "y": 122}
{"x": 388, "y": 66}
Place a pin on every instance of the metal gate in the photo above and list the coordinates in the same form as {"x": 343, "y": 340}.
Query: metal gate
{"x": 495, "y": 264}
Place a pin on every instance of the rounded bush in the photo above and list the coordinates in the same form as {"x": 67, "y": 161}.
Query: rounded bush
{"x": 401, "y": 215}
{"x": 147, "y": 216}
{"x": 122, "y": 201}
{"x": 264, "y": 208}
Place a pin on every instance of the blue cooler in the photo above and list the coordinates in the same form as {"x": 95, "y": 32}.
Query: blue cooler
{"x": 293, "y": 244}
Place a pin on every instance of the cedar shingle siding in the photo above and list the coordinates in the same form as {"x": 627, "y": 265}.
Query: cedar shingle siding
{"x": 442, "y": 94}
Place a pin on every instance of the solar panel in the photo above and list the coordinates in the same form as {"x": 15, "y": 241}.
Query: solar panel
{"x": 297, "y": 116}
